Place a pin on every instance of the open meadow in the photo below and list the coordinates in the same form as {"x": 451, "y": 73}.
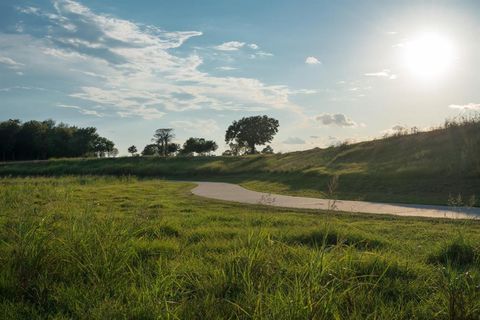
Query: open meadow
{"x": 107, "y": 248}
{"x": 243, "y": 159}
{"x": 441, "y": 166}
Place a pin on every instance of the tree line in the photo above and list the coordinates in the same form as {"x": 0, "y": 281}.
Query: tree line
{"x": 242, "y": 136}
{"x": 163, "y": 146}
{"x": 40, "y": 140}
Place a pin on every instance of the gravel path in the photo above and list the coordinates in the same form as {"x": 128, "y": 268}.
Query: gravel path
{"x": 235, "y": 193}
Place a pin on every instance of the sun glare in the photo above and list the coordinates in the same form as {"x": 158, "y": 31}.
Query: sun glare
{"x": 429, "y": 55}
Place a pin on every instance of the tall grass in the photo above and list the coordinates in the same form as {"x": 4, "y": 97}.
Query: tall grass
{"x": 108, "y": 248}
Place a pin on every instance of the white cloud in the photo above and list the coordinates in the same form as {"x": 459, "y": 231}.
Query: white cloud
{"x": 130, "y": 69}
{"x": 237, "y": 45}
{"x": 10, "y": 63}
{"x": 337, "y": 119}
{"x": 230, "y": 46}
{"x": 263, "y": 54}
{"x": 312, "y": 60}
{"x": 8, "y": 89}
{"x": 62, "y": 53}
{"x": 81, "y": 110}
{"x": 145, "y": 112}
{"x": 293, "y": 140}
{"x": 88, "y": 73}
{"x": 19, "y": 27}
{"x": 199, "y": 127}
{"x": 303, "y": 91}
{"x": 227, "y": 68}
{"x": 385, "y": 73}
{"x": 260, "y": 54}
{"x": 29, "y": 10}
{"x": 465, "y": 107}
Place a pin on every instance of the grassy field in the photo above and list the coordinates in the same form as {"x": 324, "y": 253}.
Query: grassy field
{"x": 124, "y": 248}
{"x": 426, "y": 168}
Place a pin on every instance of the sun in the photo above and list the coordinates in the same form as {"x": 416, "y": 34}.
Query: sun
{"x": 429, "y": 55}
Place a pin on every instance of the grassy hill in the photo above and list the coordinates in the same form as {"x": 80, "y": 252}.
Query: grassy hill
{"x": 426, "y": 167}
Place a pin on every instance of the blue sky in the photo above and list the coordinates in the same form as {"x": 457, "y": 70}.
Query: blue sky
{"x": 329, "y": 71}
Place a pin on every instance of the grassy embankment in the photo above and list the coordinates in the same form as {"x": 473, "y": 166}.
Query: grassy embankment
{"x": 427, "y": 167}
{"x": 110, "y": 248}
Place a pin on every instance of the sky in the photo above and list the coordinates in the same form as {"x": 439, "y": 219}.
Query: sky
{"x": 329, "y": 71}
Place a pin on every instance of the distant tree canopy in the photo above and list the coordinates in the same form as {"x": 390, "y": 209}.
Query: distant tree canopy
{"x": 102, "y": 146}
{"x": 172, "y": 148}
{"x": 150, "y": 150}
{"x": 154, "y": 150}
{"x": 39, "y": 140}
{"x": 267, "y": 150}
{"x": 199, "y": 146}
{"x": 251, "y": 131}
{"x": 132, "y": 150}
{"x": 237, "y": 149}
{"x": 162, "y": 139}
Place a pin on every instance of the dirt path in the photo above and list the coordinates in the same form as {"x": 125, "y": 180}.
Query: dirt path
{"x": 233, "y": 192}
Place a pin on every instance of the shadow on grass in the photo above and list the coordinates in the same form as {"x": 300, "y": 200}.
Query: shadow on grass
{"x": 457, "y": 253}
{"x": 328, "y": 238}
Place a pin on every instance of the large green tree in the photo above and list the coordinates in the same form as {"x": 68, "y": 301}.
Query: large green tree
{"x": 252, "y": 131}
